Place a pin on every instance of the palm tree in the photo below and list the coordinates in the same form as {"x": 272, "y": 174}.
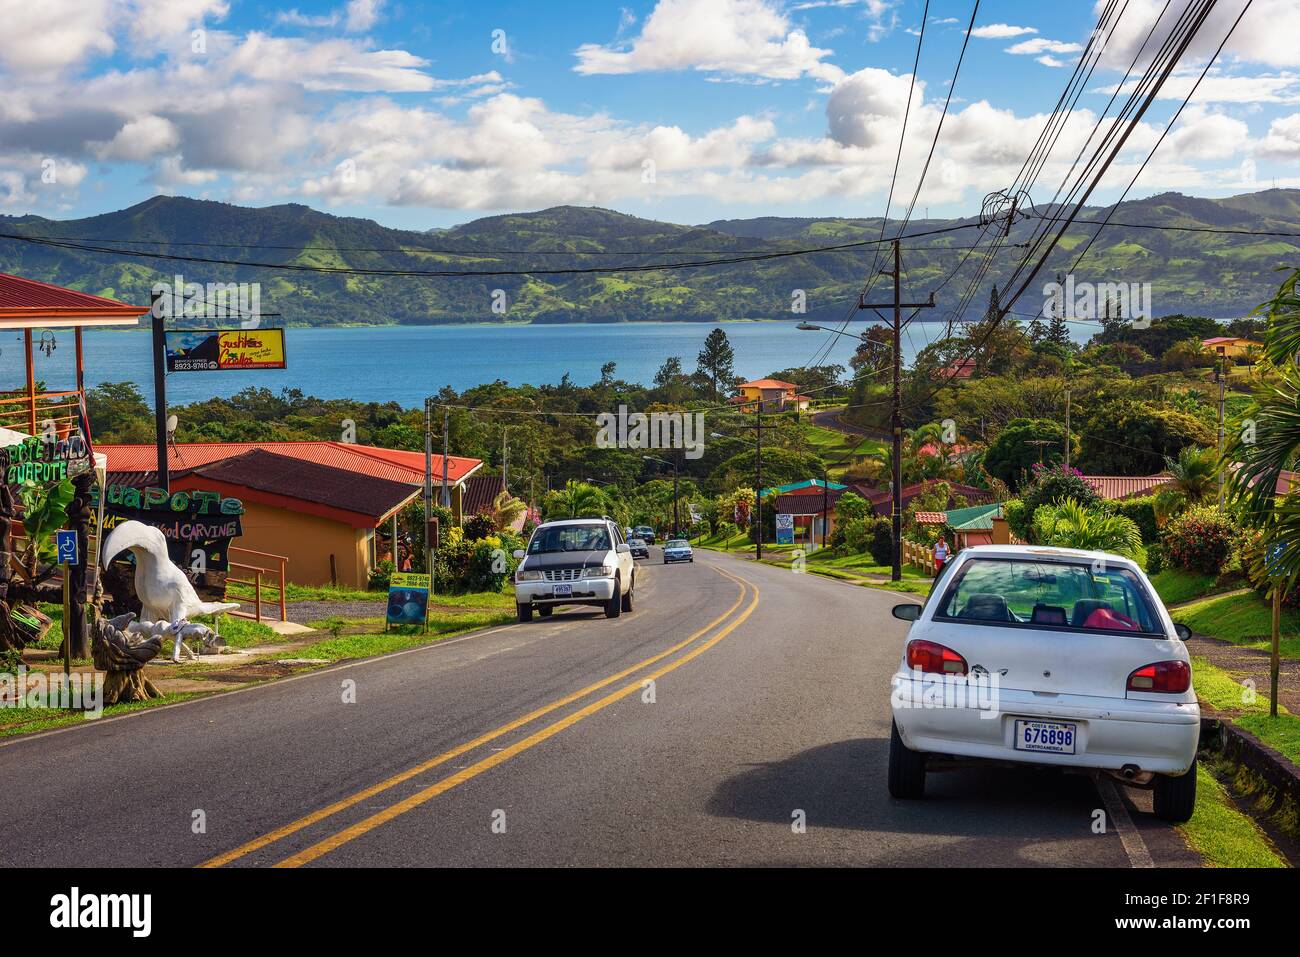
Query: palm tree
{"x": 1071, "y": 525}
{"x": 506, "y": 509}
{"x": 576, "y": 500}
{"x": 1257, "y": 456}
{"x": 1193, "y": 479}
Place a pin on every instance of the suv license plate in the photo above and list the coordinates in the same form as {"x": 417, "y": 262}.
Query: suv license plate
{"x": 562, "y": 591}
{"x": 1055, "y": 736}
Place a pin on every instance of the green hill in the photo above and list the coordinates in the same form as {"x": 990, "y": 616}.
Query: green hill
{"x": 1217, "y": 275}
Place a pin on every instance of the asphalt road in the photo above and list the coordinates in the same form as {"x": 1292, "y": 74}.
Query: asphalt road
{"x": 542, "y": 744}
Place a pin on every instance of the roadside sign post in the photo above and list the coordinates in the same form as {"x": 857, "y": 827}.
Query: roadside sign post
{"x": 65, "y": 544}
{"x": 1274, "y": 659}
{"x": 408, "y": 600}
{"x": 1274, "y": 663}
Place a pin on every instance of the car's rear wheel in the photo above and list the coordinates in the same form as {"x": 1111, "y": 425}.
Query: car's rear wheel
{"x": 525, "y": 610}
{"x": 545, "y": 610}
{"x": 627, "y": 599}
{"x": 906, "y": 768}
{"x": 1174, "y": 798}
{"x": 614, "y": 607}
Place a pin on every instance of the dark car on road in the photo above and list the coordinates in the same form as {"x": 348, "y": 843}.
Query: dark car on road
{"x": 645, "y": 533}
{"x": 639, "y": 548}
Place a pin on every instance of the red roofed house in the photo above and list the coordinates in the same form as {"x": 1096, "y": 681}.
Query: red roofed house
{"x": 329, "y": 507}
{"x": 1234, "y": 347}
{"x": 774, "y": 394}
{"x": 28, "y": 305}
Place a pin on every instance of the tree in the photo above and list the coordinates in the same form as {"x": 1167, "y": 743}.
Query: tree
{"x": 1130, "y": 437}
{"x": 1015, "y": 451}
{"x": 851, "y": 506}
{"x": 716, "y": 362}
{"x": 670, "y": 372}
{"x": 607, "y": 373}
{"x": 1069, "y": 524}
{"x": 1193, "y": 479}
{"x": 576, "y": 500}
{"x": 1058, "y": 333}
{"x": 1270, "y": 448}
{"x": 506, "y": 510}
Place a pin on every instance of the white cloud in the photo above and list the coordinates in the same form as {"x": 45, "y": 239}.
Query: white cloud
{"x": 738, "y": 37}
{"x": 1043, "y": 45}
{"x": 50, "y": 35}
{"x": 1265, "y": 35}
{"x": 1283, "y": 138}
{"x": 362, "y": 15}
{"x": 140, "y": 140}
{"x": 1000, "y": 31}
{"x": 1049, "y": 60}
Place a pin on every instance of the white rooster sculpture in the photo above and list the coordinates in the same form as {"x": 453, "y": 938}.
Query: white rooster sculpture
{"x": 165, "y": 594}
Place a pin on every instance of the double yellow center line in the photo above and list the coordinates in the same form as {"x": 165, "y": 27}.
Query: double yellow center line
{"x": 377, "y": 819}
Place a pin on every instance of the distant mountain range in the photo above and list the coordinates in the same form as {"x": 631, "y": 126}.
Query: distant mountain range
{"x": 1203, "y": 273}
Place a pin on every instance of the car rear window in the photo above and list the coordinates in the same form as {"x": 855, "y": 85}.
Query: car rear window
{"x": 1049, "y": 595}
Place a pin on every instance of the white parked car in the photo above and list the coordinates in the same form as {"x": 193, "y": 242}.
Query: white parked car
{"x": 580, "y": 561}
{"x": 1046, "y": 656}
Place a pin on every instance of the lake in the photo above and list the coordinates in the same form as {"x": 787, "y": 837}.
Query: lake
{"x": 406, "y": 363}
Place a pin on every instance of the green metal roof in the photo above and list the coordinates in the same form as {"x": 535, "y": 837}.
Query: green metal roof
{"x": 976, "y": 518}
{"x": 806, "y": 483}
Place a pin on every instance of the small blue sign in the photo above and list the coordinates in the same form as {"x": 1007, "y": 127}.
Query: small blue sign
{"x": 1274, "y": 556}
{"x": 66, "y": 543}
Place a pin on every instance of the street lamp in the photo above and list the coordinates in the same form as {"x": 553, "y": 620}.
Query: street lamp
{"x": 676, "y": 524}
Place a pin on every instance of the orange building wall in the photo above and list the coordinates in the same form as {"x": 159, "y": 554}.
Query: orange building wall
{"x": 307, "y": 541}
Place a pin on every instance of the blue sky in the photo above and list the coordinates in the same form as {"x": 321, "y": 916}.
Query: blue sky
{"x": 431, "y": 114}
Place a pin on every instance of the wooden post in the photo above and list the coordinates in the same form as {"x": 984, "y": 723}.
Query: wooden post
{"x": 31, "y": 383}
{"x": 81, "y": 365}
{"x": 74, "y": 577}
{"x": 1274, "y": 660}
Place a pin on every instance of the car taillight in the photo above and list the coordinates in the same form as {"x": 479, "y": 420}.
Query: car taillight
{"x": 1170, "y": 677}
{"x": 934, "y": 658}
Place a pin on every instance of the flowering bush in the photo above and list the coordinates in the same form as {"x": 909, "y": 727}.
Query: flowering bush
{"x": 479, "y": 527}
{"x": 1200, "y": 540}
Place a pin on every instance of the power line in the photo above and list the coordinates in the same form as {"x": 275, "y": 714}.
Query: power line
{"x": 449, "y": 274}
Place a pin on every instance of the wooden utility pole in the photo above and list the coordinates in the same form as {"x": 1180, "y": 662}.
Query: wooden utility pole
{"x": 1067, "y": 430}
{"x": 1221, "y": 375}
{"x": 159, "y": 345}
{"x": 896, "y": 416}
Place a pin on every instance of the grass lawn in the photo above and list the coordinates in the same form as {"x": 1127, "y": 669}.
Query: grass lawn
{"x": 294, "y": 592}
{"x": 1220, "y": 690}
{"x": 835, "y": 446}
{"x": 1245, "y": 620}
{"x": 1175, "y": 585}
{"x": 1221, "y": 833}
{"x": 364, "y": 637}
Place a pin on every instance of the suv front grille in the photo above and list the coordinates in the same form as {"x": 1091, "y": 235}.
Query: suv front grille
{"x": 562, "y": 574}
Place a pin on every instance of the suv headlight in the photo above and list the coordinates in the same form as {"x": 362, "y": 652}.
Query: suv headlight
{"x": 528, "y": 576}
{"x": 604, "y": 571}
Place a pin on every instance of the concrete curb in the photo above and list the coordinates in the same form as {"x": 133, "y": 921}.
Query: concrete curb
{"x": 1243, "y": 747}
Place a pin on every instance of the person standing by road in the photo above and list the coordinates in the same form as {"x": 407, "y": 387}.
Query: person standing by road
{"x": 940, "y": 555}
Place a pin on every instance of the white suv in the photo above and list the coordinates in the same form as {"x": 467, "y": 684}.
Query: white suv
{"x": 580, "y": 561}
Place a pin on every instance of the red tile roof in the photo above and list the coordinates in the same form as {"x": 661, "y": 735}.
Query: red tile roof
{"x": 480, "y": 492}
{"x": 1124, "y": 486}
{"x": 311, "y": 483}
{"x": 767, "y": 384}
{"x": 28, "y": 301}
{"x": 393, "y": 465}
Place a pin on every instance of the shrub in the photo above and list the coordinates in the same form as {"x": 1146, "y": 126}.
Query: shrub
{"x": 881, "y": 543}
{"x": 479, "y": 527}
{"x": 1018, "y": 518}
{"x": 1200, "y": 540}
{"x": 381, "y": 576}
{"x": 851, "y": 506}
{"x": 1142, "y": 511}
{"x": 1051, "y": 486}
